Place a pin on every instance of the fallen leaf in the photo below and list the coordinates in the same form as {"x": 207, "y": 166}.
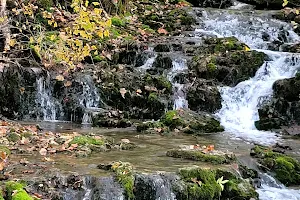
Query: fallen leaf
{"x": 48, "y": 159}
{"x": 59, "y": 78}
{"x": 24, "y": 141}
{"x": 123, "y": 92}
{"x": 162, "y": 31}
{"x": 38, "y": 195}
{"x": 68, "y": 84}
{"x": 43, "y": 151}
{"x": 125, "y": 141}
{"x": 139, "y": 91}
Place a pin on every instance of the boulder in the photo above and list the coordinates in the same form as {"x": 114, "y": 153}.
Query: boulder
{"x": 228, "y": 68}
{"x": 270, "y": 4}
{"x": 284, "y": 107}
{"x": 203, "y": 95}
{"x": 211, "y": 3}
{"x": 186, "y": 121}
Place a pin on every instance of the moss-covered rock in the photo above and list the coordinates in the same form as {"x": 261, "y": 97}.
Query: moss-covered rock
{"x": 207, "y": 184}
{"x": 283, "y": 109}
{"x": 86, "y": 140}
{"x": 185, "y": 120}
{"x": 215, "y": 157}
{"x": 211, "y": 3}
{"x": 228, "y": 68}
{"x": 204, "y": 95}
{"x": 286, "y": 168}
{"x": 15, "y": 191}
{"x": 270, "y": 4}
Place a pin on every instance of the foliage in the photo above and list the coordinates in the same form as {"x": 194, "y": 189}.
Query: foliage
{"x": 125, "y": 176}
{"x": 86, "y": 140}
{"x": 15, "y": 191}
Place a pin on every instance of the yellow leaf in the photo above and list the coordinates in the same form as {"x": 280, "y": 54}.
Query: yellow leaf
{"x": 106, "y": 33}
{"x": 100, "y": 34}
{"x": 246, "y": 48}
{"x": 59, "y": 78}
{"x": 12, "y": 42}
{"x": 50, "y": 22}
{"x": 52, "y": 37}
{"x": 297, "y": 12}
{"x": 285, "y": 3}
{"x": 54, "y": 24}
{"x": 31, "y": 40}
{"x": 97, "y": 11}
{"x": 96, "y": 3}
{"x": 108, "y": 23}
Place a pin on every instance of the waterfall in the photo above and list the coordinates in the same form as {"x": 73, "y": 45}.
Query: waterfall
{"x": 240, "y": 103}
{"x": 270, "y": 190}
{"x": 48, "y": 107}
{"x": 179, "y": 65}
{"x": 89, "y": 99}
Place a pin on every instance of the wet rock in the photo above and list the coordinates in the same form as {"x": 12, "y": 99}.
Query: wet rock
{"x": 204, "y": 95}
{"x": 286, "y": 168}
{"x": 269, "y": 4}
{"x": 184, "y": 120}
{"x": 228, "y": 68}
{"x": 145, "y": 96}
{"x": 162, "y": 48}
{"x": 293, "y": 48}
{"x": 162, "y": 62}
{"x": 211, "y": 3}
{"x": 201, "y": 154}
{"x": 283, "y": 109}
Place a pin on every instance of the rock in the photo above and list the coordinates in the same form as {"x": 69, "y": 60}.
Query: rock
{"x": 286, "y": 168}
{"x": 162, "y": 48}
{"x": 293, "y": 48}
{"x": 211, "y": 3}
{"x": 184, "y": 120}
{"x": 269, "y": 4}
{"x": 214, "y": 156}
{"x": 283, "y": 109}
{"x": 161, "y": 63}
{"x": 228, "y": 68}
{"x": 204, "y": 95}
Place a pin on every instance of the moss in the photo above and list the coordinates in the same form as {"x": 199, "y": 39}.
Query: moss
{"x": 172, "y": 119}
{"x": 199, "y": 156}
{"x": 86, "y": 140}
{"x": 15, "y": 191}
{"x": 117, "y": 21}
{"x": 5, "y": 149}
{"x": 45, "y": 3}
{"x": 211, "y": 67}
{"x": 200, "y": 183}
{"x": 124, "y": 175}
{"x": 286, "y": 168}
{"x": 13, "y": 137}
{"x": 160, "y": 82}
{"x": 21, "y": 195}
{"x": 152, "y": 96}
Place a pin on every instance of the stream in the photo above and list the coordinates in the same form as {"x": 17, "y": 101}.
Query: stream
{"x": 239, "y": 103}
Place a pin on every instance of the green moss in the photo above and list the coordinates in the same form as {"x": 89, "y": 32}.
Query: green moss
{"x": 86, "y": 140}
{"x": 15, "y": 191}
{"x": 160, "y": 82}
{"x": 13, "y": 137}
{"x": 286, "y": 168}
{"x": 124, "y": 175}
{"x": 211, "y": 67}
{"x": 200, "y": 184}
{"x": 5, "y": 149}
{"x": 172, "y": 119}
{"x": 152, "y": 96}
{"x": 117, "y": 21}
{"x": 45, "y": 3}
{"x": 199, "y": 156}
{"x": 21, "y": 195}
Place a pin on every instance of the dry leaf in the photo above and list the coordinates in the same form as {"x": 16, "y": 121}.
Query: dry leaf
{"x": 48, "y": 159}
{"x": 162, "y": 31}
{"x": 123, "y": 92}
{"x": 59, "y": 78}
{"x": 24, "y": 141}
{"x": 139, "y": 91}
{"x": 43, "y": 151}
{"x": 68, "y": 84}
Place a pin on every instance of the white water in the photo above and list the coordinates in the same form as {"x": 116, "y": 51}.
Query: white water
{"x": 89, "y": 99}
{"x": 46, "y": 103}
{"x": 179, "y": 65}
{"x": 271, "y": 190}
{"x": 240, "y": 103}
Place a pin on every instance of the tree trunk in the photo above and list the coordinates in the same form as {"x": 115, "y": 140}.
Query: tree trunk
{"x": 4, "y": 25}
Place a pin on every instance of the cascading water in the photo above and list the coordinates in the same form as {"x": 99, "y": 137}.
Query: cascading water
{"x": 46, "y": 103}
{"x": 89, "y": 99}
{"x": 240, "y": 103}
{"x": 179, "y": 66}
